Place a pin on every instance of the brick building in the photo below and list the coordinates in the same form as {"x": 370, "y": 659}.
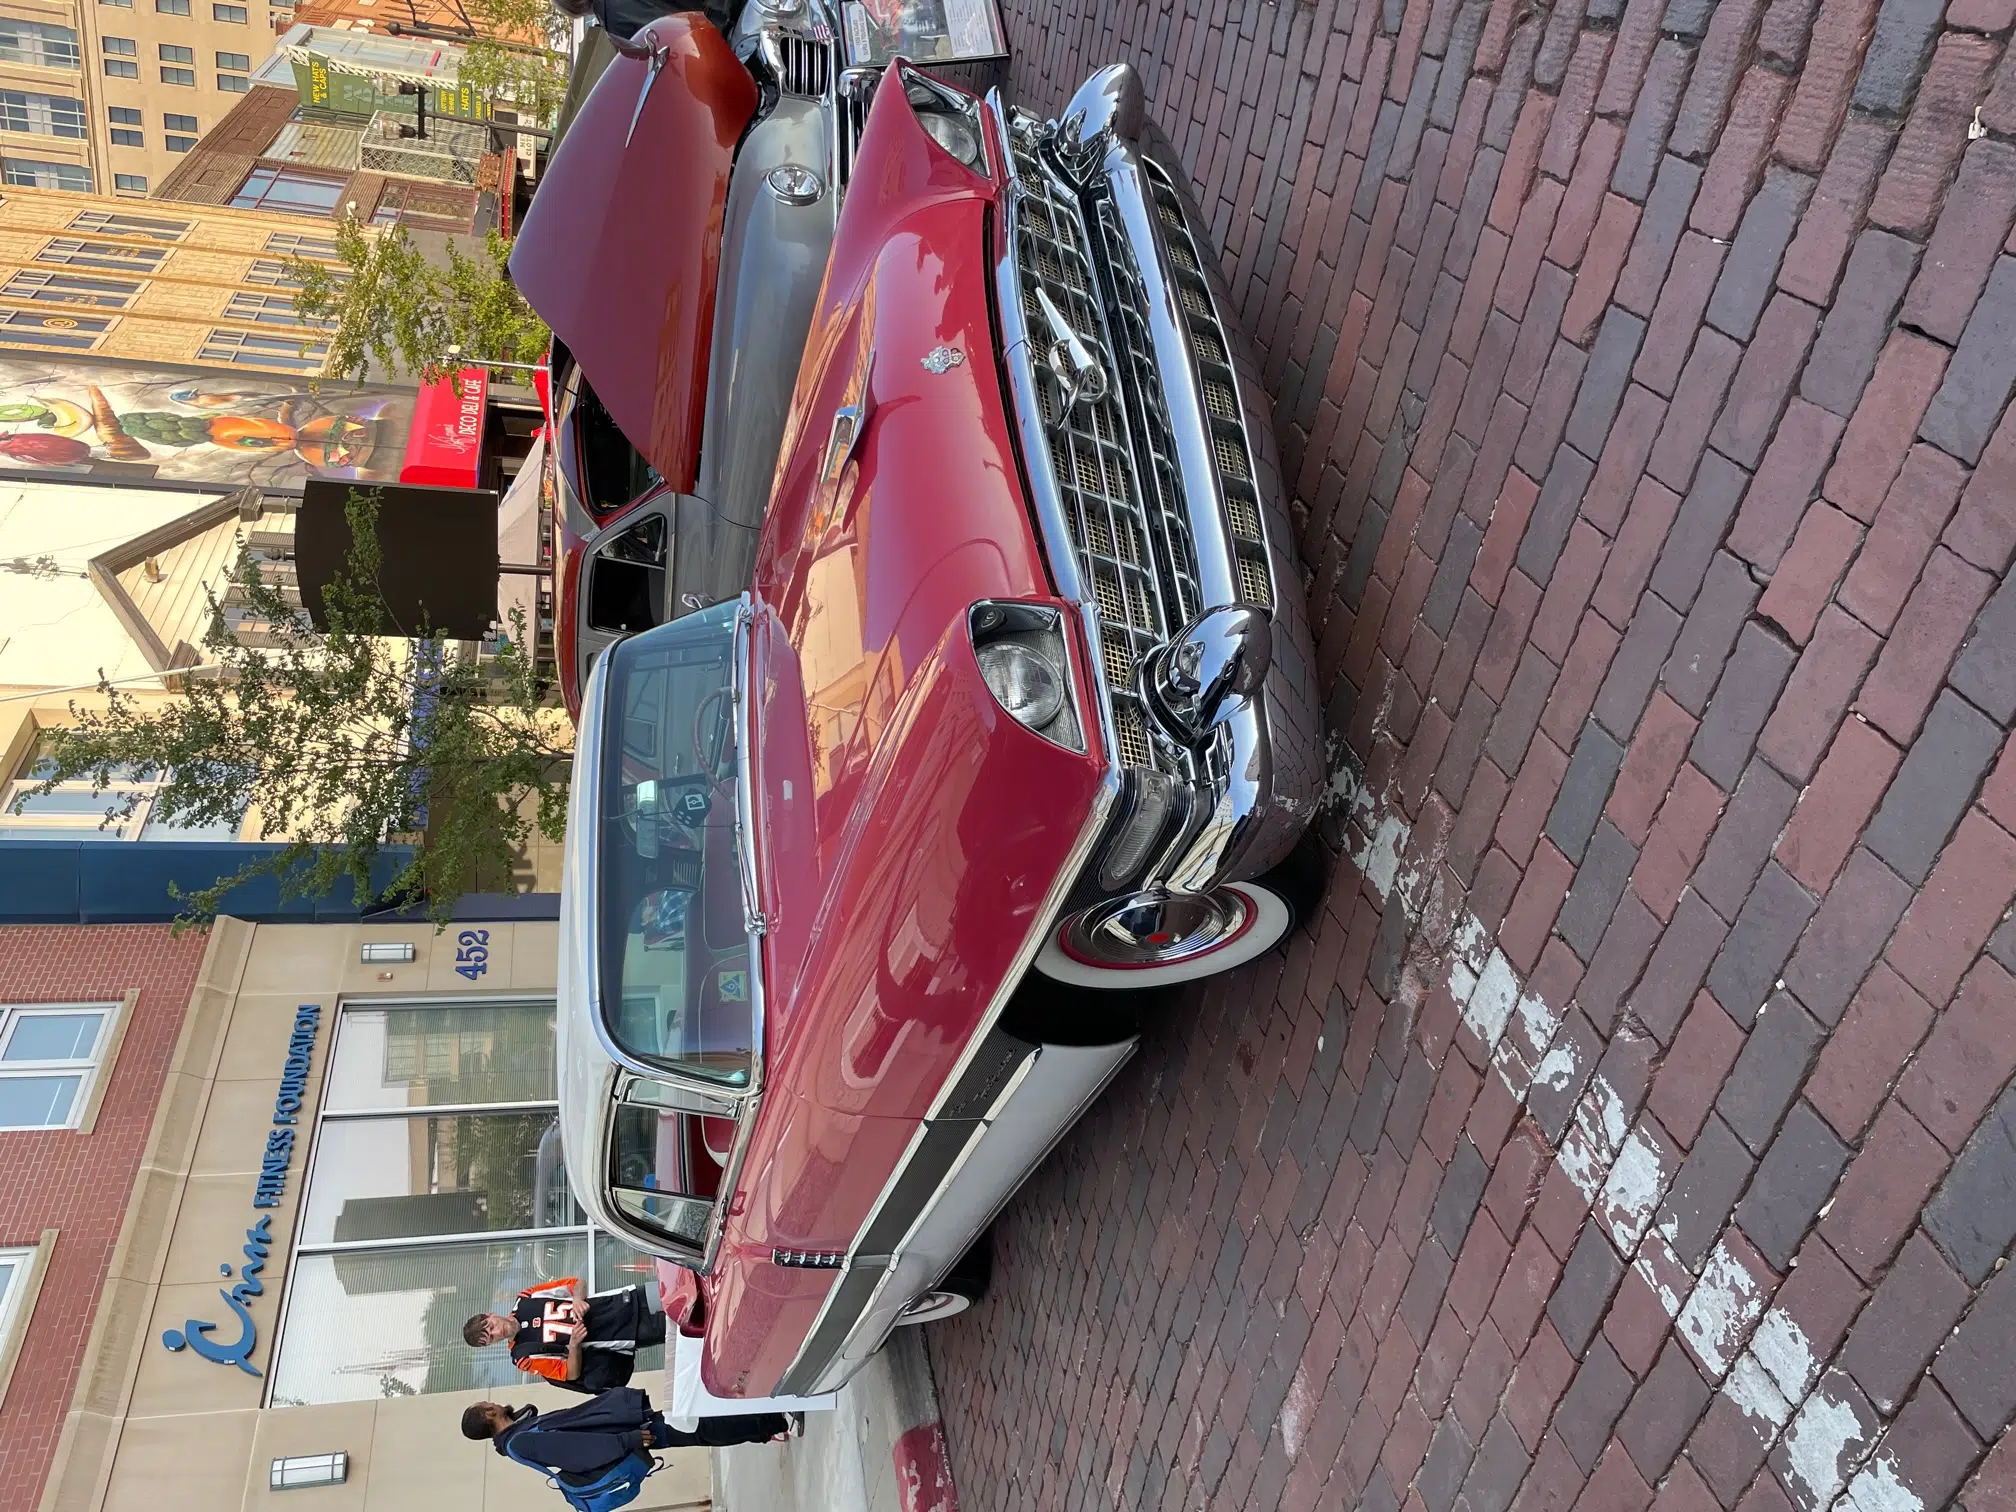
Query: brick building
{"x": 374, "y": 1130}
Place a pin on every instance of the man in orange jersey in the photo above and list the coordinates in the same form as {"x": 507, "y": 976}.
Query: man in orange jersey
{"x": 585, "y": 1344}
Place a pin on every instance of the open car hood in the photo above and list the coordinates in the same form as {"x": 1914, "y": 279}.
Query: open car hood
{"x": 621, "y": 250}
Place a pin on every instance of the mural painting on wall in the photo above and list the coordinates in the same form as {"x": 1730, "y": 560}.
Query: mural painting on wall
{"x": 217, "y": 427}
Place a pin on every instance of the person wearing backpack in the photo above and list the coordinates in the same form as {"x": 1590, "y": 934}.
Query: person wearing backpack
{"x": 598, "y": 1454}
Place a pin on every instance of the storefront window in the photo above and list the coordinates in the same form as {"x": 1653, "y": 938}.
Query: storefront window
{"x": 436, "y": 1191}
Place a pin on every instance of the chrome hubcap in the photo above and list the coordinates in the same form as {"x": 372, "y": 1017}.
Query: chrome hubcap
{"x": 1144, "y": 930}
{"x": 933, "y": 1304}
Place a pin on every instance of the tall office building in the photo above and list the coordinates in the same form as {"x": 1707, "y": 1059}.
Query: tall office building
{"x": 106, "y": 95}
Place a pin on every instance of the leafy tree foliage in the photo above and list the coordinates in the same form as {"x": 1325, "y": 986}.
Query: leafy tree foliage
{"x": 340, "y": 743}
{"x": 390, "y": 307}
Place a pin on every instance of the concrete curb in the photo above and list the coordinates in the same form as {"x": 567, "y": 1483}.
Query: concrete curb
{"x": 882, "y": 1449}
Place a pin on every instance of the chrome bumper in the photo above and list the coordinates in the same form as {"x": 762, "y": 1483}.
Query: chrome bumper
{"x": 1153, "y": 482}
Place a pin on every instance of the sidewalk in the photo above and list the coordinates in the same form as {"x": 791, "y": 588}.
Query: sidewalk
{"x": 880, "y": 1450}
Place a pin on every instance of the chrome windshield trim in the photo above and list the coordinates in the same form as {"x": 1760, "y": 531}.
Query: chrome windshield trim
{"x": 583, "y": 804}
{"x": 753, "y": 920}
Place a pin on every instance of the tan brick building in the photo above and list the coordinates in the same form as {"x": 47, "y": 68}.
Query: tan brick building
{"x": 105, "y": 95}
{"x": 154, "y": 282}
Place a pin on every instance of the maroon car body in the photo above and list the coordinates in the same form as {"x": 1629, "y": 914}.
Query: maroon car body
{"x": 820, "y": 840}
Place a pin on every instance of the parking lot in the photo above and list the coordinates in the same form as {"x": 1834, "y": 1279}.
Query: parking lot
{"x": 1633, "y": 1125}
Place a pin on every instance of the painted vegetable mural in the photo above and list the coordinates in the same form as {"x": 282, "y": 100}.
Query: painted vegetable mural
{"x": 226, "y": 428}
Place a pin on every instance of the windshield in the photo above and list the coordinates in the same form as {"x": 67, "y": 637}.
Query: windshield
{"x": 675, "y": 949}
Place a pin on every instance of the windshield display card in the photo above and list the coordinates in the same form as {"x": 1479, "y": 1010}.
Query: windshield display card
{"x": 923, "y": 31}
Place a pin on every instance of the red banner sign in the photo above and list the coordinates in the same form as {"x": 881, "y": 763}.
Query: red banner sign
{"x": 445, "y": 447}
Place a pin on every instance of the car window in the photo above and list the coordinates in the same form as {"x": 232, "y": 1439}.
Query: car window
{"x": 626, "y": 579}
{"x": 662, "y": 1173}
{"x": 674, "y": 943}
{"x": 613, "y": 473}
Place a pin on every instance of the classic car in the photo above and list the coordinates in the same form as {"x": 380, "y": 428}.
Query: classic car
{"x": 687, "y": 211}
{"x": 1018, "y": 706}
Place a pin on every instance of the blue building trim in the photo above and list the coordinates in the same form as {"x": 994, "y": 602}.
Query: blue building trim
{"x": 128, "y": 882}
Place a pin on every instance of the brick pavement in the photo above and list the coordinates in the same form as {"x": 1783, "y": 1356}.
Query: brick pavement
{"x": 1634, "y": 1127}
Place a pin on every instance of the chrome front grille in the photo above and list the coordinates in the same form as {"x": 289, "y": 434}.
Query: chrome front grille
{"x": 850, "y": 118}
{"x": 807, "y": 65}
{"x": 1115, "y": 479}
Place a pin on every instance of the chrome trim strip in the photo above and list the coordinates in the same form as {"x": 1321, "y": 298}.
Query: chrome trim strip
{"x": 826, "y": 1382}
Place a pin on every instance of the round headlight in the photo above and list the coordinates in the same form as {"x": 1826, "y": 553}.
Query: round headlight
{"x": 954, "y": 133}
{"x": 1026, "y": 684}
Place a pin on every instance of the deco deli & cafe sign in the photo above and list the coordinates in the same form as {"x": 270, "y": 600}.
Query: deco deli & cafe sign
{"x": 197, "y": 1335}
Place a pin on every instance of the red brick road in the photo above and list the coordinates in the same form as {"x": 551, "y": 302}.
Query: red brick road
{"x": 1635, "y": 1126}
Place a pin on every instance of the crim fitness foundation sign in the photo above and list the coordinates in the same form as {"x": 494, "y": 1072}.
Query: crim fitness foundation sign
{"x": 195, "y": 1334}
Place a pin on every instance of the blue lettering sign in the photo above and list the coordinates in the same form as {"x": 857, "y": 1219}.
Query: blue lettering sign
{"x": 274, "y": 1163}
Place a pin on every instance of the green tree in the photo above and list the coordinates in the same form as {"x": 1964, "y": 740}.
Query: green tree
{"x": 342, "y": 742}
{"x": 515, "y": 58}
{"x": 391, "y": 307}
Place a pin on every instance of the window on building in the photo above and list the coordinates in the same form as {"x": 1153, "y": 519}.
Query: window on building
{"x": 172, "y": 7}
{"x": 122, "y": 4}
{"x": 31, "y": 328}
{"x": 299, "y": 244}
{"x": 41, "y": 43}
{"x": 123, "y": 115}
{"x": 272, "y": 272}
{"x": 80, "y": 253}
{"x": 42, "y": 114}
{"x": 16, "y": 1267}
{"x": 27, "y": 173}
{"x": 124, "y": 138}
{"x": 70, "y": 289}
{"x": 436, "y": 1188}
{"x": 294, "y": 1472}
{"x": 170, "y": 53}
{"x": 233, "y": 83}
{"x": 183, "y": 76}
{"x": 120, "y": 68}
{"x": 124, "y": 47}
{"x": 178, "y": 122}
{"x": 237, "y": 62}
{"x": 235, "y": 14}
{"x": 119, "y": 52}
{"x": 293, "y": 190}
{"x": 119, "y": 223}
{"x": 266, "y": 309}
{"x": 130, "y": 183}
{"x": 179, "y": 143}
{"x": 251, "y": 349}
{"x": 124, "y": 810}
{"x": 48, "y": 1056}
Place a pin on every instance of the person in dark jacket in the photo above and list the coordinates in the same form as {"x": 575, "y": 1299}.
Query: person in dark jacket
{"x": 588, "y": 1439}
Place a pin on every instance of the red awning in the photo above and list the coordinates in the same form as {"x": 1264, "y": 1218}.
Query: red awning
{"x": 445, "y": 448}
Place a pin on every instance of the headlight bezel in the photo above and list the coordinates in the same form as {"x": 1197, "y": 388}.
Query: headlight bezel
{"x": 1034, "y": 631}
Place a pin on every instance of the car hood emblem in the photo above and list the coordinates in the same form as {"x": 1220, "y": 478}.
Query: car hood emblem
{"x": 942, "y": 359}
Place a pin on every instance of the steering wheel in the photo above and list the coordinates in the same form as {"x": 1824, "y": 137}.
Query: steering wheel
{"x": 709, "y": 760}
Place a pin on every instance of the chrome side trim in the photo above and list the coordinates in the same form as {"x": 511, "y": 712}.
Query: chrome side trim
{"x": 879, "y": 1316}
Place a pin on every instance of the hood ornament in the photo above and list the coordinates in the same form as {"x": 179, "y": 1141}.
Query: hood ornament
{"x": 1080, "y": 373}
{"x": 942, "y": 359}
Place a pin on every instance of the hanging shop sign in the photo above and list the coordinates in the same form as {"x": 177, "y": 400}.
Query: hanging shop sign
{"x": 444, "y": 449}
{"x": 196, "y": 1334}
